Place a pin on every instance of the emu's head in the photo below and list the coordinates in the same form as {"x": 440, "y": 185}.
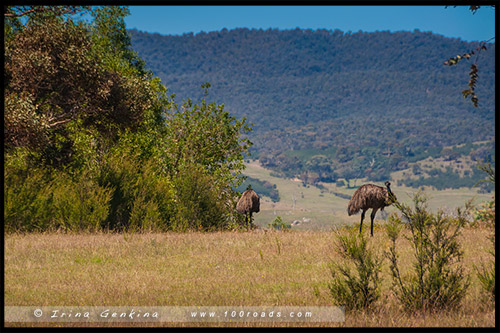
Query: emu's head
{"x": 391, "y": 196}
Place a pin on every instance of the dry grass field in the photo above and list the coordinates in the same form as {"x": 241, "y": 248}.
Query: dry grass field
{"x": 255, "y": 268}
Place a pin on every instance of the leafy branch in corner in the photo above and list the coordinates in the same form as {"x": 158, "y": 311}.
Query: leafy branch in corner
{"x": 473, "y": 74}
{"x": 471, "y": 91}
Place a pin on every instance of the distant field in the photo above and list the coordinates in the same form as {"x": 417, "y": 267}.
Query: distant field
{"x": 325, "y": 211}
{"x": 254, "y": 268}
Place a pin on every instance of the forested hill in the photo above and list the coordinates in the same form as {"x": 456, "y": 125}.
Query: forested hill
{"x": 376, "y": 99}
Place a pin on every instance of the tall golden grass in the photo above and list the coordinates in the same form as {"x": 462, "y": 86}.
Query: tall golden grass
{"x": 217, "y": 269}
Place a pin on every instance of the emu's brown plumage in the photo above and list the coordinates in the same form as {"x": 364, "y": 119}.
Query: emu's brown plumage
{"x": 370, "y": 196}
{"x": 249, "y": 203}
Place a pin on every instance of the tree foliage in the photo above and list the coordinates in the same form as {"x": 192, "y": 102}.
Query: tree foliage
{"x": 94, "y": 141}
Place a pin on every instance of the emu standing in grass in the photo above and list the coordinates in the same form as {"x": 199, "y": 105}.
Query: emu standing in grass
{"x": 249, "y": 203}
{"x": 370, "y": 196}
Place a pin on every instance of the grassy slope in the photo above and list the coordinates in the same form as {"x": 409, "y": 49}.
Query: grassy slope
{"x": 210, "y": 269}
{"x": 327, "y": 211}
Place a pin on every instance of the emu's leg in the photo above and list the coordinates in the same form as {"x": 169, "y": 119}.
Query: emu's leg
{"x": 250, "y": 222}
{"x": 374, "y": 211}
{"x": 361, "y": 224}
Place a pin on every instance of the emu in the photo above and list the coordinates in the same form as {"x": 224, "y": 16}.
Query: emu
{"x": 370, "y": 196}
{"x": 249, "y": 203}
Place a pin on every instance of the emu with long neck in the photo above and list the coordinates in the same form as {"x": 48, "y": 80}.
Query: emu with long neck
{"x": 370, "y": 196}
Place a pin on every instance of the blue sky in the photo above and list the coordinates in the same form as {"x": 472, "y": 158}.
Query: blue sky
{"x": 456, "y": 22}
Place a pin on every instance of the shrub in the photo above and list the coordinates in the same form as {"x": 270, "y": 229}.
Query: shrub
{"x": 437, "y": 281}
{"x": 79, "y": 204}
{"x": 35, "y": 200}
{"x": 279, "y": 224}
{"x": 153, "y": 205}
{"x": 486, "y": 216}
{"x": 27, "y": 201}
{"x": 143, "y": 198}
{"x": 486, "y": 213}
{"x": 361, "y": 288}
{"x": 486, "y": 277}
{"x": 200, "y": 203}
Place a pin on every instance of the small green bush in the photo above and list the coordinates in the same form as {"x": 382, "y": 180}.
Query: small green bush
{"x": 80, "y": 204}
{"x": 438, "y": 281}
{"x": 200, "y": 204}
{"x": 279, "y": 224}
{"x": 27, "y": 201}
{"x": 143, "y": 198}
{"x": 37, "y": 201}
{"x": 486, "y": 272}
{"x": 359, "y": 289}
{"x": 486, "y": 216}
{"x": 486, "y": 276}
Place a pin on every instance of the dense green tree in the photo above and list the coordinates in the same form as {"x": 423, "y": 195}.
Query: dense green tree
{"x": 93, "y": 140}
{"x": 55, "y": 79}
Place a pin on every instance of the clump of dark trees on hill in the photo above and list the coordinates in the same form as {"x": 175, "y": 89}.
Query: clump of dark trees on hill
{"x": 261, "y": 187}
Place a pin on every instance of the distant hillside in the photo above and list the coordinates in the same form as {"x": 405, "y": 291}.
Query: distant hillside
{"x": 328, "y": 104}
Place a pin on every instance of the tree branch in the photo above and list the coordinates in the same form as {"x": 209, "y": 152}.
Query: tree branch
{"x": 19, "y": 11}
